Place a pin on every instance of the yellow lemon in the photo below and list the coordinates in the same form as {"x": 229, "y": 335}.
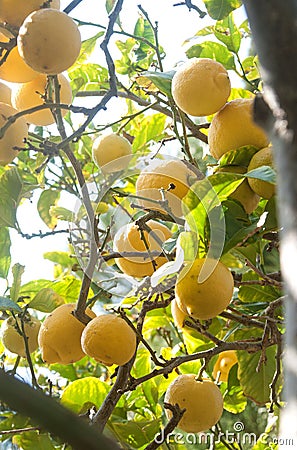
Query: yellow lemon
{"x": 111, "y": 152}
{"x": 109, "y": 340}
{"x": 14, "y": 69}
{"x": 12, "y": 338}
{"x": 129, "y": 239}
{"x": 204, "y": 288}
{"x": 263, "y": 157}
{"x": 5, "y": 94}
{"x": 178, "y": 315}
{"x": 49, "y": 41}
{"x": 14, "y": 135}
{"x": 173, "y": 177}
{"x": 202, "y": 400}
{"x": 14, "y": 12}
{"x": 223, "y": 364}
{"x": 201, "y": 86}
{"x": 33, "y": 93}
{"x": 244, "y": 194}
{"x": 60, "y": 334}
{"x": 233, "y": 127}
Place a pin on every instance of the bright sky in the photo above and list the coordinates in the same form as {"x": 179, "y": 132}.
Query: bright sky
{"x": 176, "y": 24}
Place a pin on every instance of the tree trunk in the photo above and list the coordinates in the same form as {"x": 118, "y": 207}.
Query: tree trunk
{"x": 274, "y": 29}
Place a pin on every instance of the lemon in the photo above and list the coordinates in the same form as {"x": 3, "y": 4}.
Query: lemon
{"x": 173, "y": 177}
{"x": 223, "y": 364}
{"x": 60, "y": 334}
{"x": 13, "y": 137}
{"x": 177, "y": 314}
{"x": 233, "y": 127}
{"x": 109, "y": 340}
{"x": 243, "y": 194}
{"x": 31, "y": 94}
{"x": 5, "y": 94}
{"x": 202, "y": 400}
{"x": 263, "y": 157}
{"x": 111, "y": 152}
{"x": 14, "y": 12}
{"x": 49, "y": 41}
{"x": 14, "y": 69}
{"x": 204, "y": 288}
{"x": 201, "y": 86}
{"x": 129, "y": 239}
{"x": 12, "y": 338}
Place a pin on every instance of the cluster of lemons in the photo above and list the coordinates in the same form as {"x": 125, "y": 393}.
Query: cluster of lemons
{"x": 48, "y": 42}
{"x": 63, "y": 339}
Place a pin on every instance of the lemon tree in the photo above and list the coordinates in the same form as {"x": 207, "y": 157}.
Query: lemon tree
{"x": 146, "y": 173}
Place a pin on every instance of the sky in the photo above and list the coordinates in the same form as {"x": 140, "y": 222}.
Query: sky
{"x": 175, "y": 26}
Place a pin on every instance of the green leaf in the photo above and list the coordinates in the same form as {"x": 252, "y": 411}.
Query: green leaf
{"x": 212, "y": 50}
{"x": 5, "y": 258}
{"x": 58, "y": 212}
{"x": 265, "y": 173}
{"x": 7, "y": 211}
{"x": 136, "y": 433}
{"x": 239, "y": 157}
{"x": 47, "y": 199}
{"x": 46, "y": 300}
{"x": 227, "y": 32}
{"x": 250, "y": 67}
{"x": 162, "y": 80}
{"x": 150, "y": 129}
{"x": 87, "y": 47}
{"x": 203, "y": 206}
{"x": 62, "y": 258}
{"x": 31, "y": 440}
{"x": 234, "y": 400}
{"x": 83, "y": 393}
{"x": 69, "y": 288}
{"x": 238, "y": 225}
{"x": 188, "y": 242}
{"x": 255, "y": 384}
{"x": 17, "y": 272}
{"x": 8, "y": 305}
{"x": 254, "y": 293}
{"x": 218, "y": 9}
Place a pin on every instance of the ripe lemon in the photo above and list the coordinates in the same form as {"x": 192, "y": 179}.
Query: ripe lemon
{"x": 244, "y": 194}
{"x": 201, "y": 86}
{"x": 111, "y": 152}
{"x": 14, "y": 12}
{"x": 223, "y": 364}
{"x": 233, "y": 127}
{"x": 49, "y": 41}
{"x": 5, "y": 94}
{"x": 12, "y": 338}
{"x": 202, "y": 400}
{"x": 109, "y": 340}
{"x": 177, "y": 314}
{"x": 28, "y": 95}
{"x": 263, "y": 157}
{"x": 171, "y": 176}
{"x": 60, "y": 334}
{"x": 129, "y": 239}
{"x": 14, "y": 69}
{"x": 14, "y": 135}
{"x": 204, "y": 288}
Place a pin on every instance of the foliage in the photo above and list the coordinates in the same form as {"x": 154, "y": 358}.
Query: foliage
{"x": 56, "y": 164}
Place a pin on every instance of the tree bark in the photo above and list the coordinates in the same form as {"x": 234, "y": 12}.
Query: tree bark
{"x": 274, "y": 29}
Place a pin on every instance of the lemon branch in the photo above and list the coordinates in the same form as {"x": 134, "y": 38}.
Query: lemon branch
{"x": 177, "y": 414}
